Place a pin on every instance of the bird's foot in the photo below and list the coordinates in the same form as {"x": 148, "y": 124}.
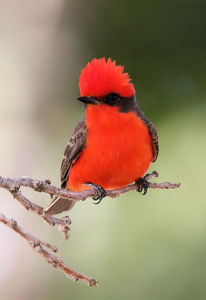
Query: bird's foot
{"x": 142, "y": 184}
{"x": 101, "y": 193}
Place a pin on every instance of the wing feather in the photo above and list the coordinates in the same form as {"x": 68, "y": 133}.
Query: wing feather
{"x": 71, "y": 154}
{"x": 73, "y": 150}
{"x": 152, "y": 131}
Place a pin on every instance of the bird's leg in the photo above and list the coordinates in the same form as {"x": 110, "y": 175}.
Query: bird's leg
{"x": 143, "y": 184}
{"x": 101, "y": 193}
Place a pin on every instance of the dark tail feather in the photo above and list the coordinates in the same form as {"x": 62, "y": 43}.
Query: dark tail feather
{"x": 59, "y": 205}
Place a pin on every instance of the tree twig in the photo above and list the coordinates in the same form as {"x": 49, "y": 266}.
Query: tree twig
{"x": 13, "y": 185}
{"x": 151, "y": 185}
{"x": 46, "y": 187}
{"x": 37, "y": 245}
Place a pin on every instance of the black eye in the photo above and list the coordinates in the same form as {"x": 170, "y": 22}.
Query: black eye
{"x": 112, "y": 98}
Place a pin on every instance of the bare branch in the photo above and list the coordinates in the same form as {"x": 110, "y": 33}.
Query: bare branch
{"x": 46, "y": 187}
{"x": 132, "y": 187}
{"x": 37, "y": 245}
{"x": 14, "y": 185}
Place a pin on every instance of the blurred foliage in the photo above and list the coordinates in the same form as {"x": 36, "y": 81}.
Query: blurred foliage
{"x": 161, "y": 43}
{"x": 150, "y": 247}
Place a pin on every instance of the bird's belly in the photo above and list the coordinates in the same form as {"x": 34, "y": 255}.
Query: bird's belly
{"x": 113, "y": 158}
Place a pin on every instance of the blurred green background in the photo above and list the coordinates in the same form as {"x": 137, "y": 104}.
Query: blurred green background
{"x": 151, "y": 247}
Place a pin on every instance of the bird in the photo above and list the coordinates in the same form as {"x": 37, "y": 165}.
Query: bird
{"x": 114, "y": 144}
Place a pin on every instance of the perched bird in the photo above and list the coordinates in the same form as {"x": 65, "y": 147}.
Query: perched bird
{"x": 114, "y": 144}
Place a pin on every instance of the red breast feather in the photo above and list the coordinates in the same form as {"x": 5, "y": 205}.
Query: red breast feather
{"x": 118, "y": 149}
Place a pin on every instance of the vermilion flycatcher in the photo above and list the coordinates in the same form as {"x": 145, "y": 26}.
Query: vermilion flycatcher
{"x": 114, "y": 144}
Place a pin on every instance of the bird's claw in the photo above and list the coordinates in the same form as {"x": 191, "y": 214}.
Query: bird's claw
{"x": 142, "y": 184}
{"x": 101, "y": 193}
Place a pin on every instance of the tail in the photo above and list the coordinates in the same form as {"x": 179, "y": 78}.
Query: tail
{"x": 59, "y": 205}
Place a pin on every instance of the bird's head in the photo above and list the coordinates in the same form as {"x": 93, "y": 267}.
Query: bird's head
{"x": 104, "y": 82}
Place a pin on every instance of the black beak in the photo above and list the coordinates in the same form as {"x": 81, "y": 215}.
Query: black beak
{"x": 88, "y": 100}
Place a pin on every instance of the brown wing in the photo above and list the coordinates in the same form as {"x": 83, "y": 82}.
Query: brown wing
{"x": 152, "y": 131}
{"x": 154, "y": 136}
{"x": 71, "y": 154}
{"x": 72, "y": 151}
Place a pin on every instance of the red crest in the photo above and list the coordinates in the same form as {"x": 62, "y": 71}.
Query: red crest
{"x": 101, "y": 77}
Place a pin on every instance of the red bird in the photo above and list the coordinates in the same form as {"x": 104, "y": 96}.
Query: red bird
{"x": 114, "y": 144}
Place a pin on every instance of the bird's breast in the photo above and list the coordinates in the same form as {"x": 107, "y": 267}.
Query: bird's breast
{"x": 117, "y": 152}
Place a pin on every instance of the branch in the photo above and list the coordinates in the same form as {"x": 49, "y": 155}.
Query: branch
{"x": 46, "y": 187}
{"x": 135, "y": 186}
{"x": 37, "y": 245}
{"x": 14, "y": 185}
